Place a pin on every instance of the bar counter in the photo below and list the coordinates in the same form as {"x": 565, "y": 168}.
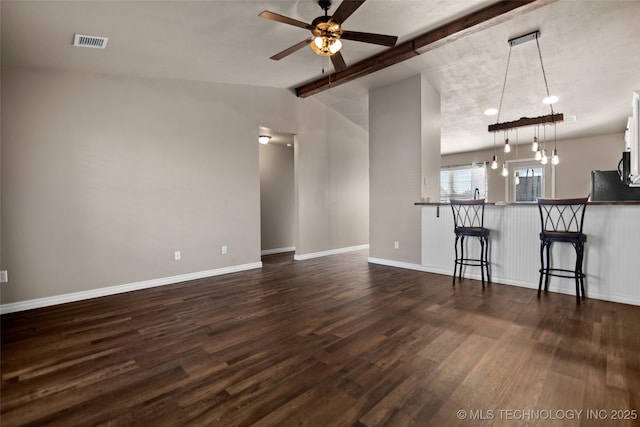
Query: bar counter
{"x": 612, "y": 251}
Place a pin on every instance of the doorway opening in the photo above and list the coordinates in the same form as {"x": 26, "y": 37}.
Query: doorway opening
{"x": 277, "y": 193}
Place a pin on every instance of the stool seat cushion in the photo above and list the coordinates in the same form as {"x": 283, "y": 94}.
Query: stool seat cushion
{"x": 563, "y": 236}
{"x": 472, "y": 231}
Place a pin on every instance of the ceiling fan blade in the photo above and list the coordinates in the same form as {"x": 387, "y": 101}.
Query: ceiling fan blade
{"x": 380, "y": 39}
{"x": 288, "y": 51}
{"x": 285, "y": 20}
{"x": 346, "y": 8}
{"x": 338, "y": 61}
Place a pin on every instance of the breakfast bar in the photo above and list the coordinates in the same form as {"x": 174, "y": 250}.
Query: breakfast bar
{"x": 612, "y": 253}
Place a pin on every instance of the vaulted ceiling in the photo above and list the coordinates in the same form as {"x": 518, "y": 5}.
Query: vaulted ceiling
{"x": 590, "y": 52}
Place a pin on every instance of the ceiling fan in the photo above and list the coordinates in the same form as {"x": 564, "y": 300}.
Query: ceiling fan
{"x": 327, "y": 32}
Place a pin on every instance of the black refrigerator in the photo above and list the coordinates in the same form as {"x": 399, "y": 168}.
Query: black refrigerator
{"x": 606, "y": 186}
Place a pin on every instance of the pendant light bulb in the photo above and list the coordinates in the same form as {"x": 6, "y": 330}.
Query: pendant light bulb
{"x": 554, "y": 158}
{"x": 534, "y": 145}
{"x": 538, "y": 155}
{"x": 494, "y": 163}
{"x": 507, "y": 147}
{"x": 545, "y": 158}
{"x": 516, "y": 178}
{"x": 505, "y": 172}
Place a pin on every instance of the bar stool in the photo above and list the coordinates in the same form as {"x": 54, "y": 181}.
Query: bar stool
{"x": 562, "y": 221}
{"x": 468, "y": 221}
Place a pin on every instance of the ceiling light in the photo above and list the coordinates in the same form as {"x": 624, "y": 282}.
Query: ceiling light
{"x": 550, "y": 100}
{"x": 326, "y": 45}
{"x": 505, "y": 171}
{"x": 491, "y": 111}
{"x": 494, "y": 163}
{"x": 554, "y": 158}
{"x": 264, "y": 139}
{"x": 507, "y": 147}
{"x": 538, "y": 155}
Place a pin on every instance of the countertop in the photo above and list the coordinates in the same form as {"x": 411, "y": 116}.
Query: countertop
{"x": 620, "y": 202}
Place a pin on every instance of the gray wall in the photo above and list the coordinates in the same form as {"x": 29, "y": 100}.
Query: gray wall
{"x": 578, "y": 157}
{"x": 332, "y": 166}
{"x": 431, "y": 129}
{"x": 396, "y": 130}
{"x": 104, "y": 177}
{"x": 277, "y": 196}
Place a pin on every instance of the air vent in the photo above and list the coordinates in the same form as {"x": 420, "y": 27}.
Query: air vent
{"x": 95, "y": 42}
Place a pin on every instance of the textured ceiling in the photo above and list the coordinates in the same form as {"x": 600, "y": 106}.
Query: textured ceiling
{"x": 590, "y": 51}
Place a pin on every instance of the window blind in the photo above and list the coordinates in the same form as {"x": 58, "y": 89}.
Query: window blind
{"x": 461, "y": 182}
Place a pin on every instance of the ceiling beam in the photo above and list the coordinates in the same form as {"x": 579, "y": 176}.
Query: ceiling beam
{"x": 447, "y": 33}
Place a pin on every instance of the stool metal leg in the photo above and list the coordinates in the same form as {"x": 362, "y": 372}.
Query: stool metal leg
{"x": 542, "y": 245}
{"x": 482, "y": 260}
{"x": 461, "y": 257}
{"x": 578, "y": 271}
{"x": 486, "y": 259}
{"x": 547, "y": 268}
{"x": 580, "y": 265}
{"x": 455, "y": 262}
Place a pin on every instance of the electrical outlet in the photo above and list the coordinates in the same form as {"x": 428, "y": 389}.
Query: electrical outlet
{"x": 224, "y": 249}
{"x": 396, "y": 245}
{"x": 4, "y": 276}
{"x": 177, "y": 256}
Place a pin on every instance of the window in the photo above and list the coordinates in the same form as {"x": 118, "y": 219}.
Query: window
{"x": 533, "y": 181}
{"x": 530, "y": 186}
{"x": 462, "y": 182}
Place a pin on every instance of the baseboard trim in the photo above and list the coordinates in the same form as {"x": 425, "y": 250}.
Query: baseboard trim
{"x": 302, "y": 257}
{"x": 112, "y": 290}
{"x": 401, "y": 264}
{"x": 590, "y": 294}
{"x": 277, "y": 250}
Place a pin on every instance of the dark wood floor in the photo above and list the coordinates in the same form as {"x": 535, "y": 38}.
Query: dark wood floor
{"x": 325, "y": 342}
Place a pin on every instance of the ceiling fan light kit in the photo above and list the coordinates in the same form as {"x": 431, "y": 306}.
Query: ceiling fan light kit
{"x": 327, "y": 32}
{"x": 326, "y": 46}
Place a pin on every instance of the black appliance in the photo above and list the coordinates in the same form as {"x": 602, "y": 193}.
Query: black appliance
{"x": 607, "y": 186}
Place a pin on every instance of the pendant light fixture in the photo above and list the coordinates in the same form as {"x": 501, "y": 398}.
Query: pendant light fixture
{"x": 553, "y": 118}
{"x": 544, "y": 159}
{"x": 554, "y": 158}
{"x": 494, "y": 162}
